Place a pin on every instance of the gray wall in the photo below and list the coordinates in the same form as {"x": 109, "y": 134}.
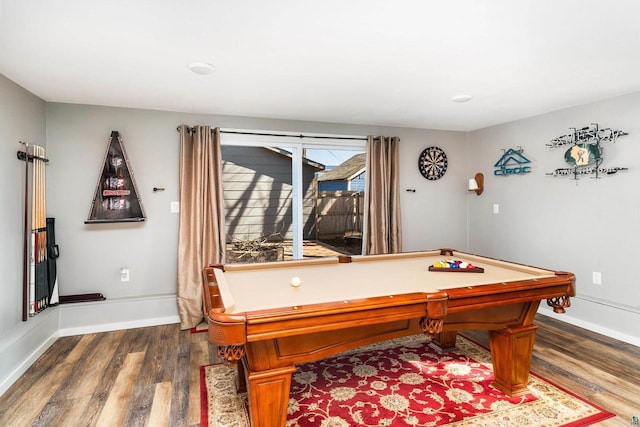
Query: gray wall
{"x": 22, "y": 118}
{"x": 584, "y": 226}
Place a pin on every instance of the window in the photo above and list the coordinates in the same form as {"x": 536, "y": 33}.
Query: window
{"x": 275, "y": 207}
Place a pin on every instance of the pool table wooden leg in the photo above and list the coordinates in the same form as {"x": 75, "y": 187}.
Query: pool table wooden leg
{"x": 241, "y": 380}
{"x": 445, "y": 341}
{"x": 269, "y": 396}
{"x": 511, "y": 351}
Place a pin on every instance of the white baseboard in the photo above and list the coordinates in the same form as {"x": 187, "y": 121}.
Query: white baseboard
{"x": 118, "y": 313}
{"x": 27, "y": 345}
{"x": 26, "y": 364}
{"x": 592, "y": 327}
{"x": 106, "y": 327}
{"x": 21, "y": 349}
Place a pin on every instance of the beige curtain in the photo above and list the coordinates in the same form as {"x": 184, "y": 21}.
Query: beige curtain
{"x": 201, "y": 237}
{"x": 382, "y": 223}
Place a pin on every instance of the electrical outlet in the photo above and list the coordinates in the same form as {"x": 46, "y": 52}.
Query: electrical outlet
{"x": 124, "y": 274}
{"x": 496, "y": 208}
{"x": 597, "y": 278}
{"x": 175, "y": 207}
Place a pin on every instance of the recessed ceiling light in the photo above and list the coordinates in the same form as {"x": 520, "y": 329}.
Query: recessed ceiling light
{"x": 201, "y": 68}
{"x": 461, "y": 98}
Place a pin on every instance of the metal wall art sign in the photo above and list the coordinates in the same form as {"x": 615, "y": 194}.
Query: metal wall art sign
{"x": 512, "y": 162}
{"x": 584, "y": 152}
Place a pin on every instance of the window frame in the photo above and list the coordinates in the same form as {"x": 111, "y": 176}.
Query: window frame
{"x": 287, "y": 140}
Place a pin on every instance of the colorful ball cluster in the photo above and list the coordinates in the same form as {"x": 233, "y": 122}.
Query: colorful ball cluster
{"x": 450, "y": 263}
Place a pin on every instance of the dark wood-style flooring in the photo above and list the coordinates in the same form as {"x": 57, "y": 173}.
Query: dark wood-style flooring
{"x": 150, "y": 376}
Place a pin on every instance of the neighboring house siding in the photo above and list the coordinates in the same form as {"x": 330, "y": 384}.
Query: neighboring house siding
{"x": 332, "y": 185}
{"x": 349, "y": 175}
{"x": 358, "y": 183}
{"x": 257, "y": 194}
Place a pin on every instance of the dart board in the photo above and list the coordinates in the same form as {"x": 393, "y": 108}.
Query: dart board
{"x": 432, "y": 163}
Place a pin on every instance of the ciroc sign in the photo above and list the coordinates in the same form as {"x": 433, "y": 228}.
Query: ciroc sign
{"x": 512, "y": 162}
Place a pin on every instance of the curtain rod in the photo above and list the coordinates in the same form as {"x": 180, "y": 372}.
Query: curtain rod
{"x": 190, "y": 129}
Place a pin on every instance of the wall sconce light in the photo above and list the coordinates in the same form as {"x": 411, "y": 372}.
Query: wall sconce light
{"x": 477, "y": 184}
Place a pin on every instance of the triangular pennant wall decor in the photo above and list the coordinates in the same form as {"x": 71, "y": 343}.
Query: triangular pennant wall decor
{"x": 116, "y": 196}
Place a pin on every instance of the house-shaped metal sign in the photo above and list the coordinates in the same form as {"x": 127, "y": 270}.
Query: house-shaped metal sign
{"x": 512, "y": 162}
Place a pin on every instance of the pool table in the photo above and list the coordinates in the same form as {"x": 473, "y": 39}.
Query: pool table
{"x": 262, "y": 317}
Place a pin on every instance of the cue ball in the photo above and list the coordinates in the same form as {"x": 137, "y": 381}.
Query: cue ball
{"x": 295, "y": 282}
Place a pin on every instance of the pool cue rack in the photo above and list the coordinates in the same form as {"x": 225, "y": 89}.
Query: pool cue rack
{"x": 36, "y": 292}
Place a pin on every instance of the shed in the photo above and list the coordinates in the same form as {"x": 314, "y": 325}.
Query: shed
{"x": 350, "y": 175}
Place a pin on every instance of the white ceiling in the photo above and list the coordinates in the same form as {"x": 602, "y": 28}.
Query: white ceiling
{"x": 378, "y": 62}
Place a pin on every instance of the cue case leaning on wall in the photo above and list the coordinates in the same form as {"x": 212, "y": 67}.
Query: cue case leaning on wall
{"x": 52, "y": 270}
{"x": 53, "y": 253}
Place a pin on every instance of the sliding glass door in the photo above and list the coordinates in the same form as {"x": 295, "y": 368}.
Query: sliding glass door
{"x": 274, "y": 188}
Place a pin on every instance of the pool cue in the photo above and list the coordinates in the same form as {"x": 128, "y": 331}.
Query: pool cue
{"x": 33, "y": 251}
{"x": 43, "y": 227}
{"x": 38, "y": 209}
{"x": 41, "y": 263}
{"x": 27, "y": 234}
{"x": 45, "y": 241}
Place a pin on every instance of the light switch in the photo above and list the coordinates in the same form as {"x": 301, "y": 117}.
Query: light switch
{"x": 597, "y": 278}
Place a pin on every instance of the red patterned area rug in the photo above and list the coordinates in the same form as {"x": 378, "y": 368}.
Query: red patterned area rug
{"x": 402, "y": 382}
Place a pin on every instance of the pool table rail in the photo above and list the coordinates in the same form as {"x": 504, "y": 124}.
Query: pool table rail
{"x": 557, "y": 290}
{"x": 289, "y": 321}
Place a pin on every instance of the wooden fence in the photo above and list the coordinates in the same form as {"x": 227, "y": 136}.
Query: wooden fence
{"x": 339, "y": 214}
